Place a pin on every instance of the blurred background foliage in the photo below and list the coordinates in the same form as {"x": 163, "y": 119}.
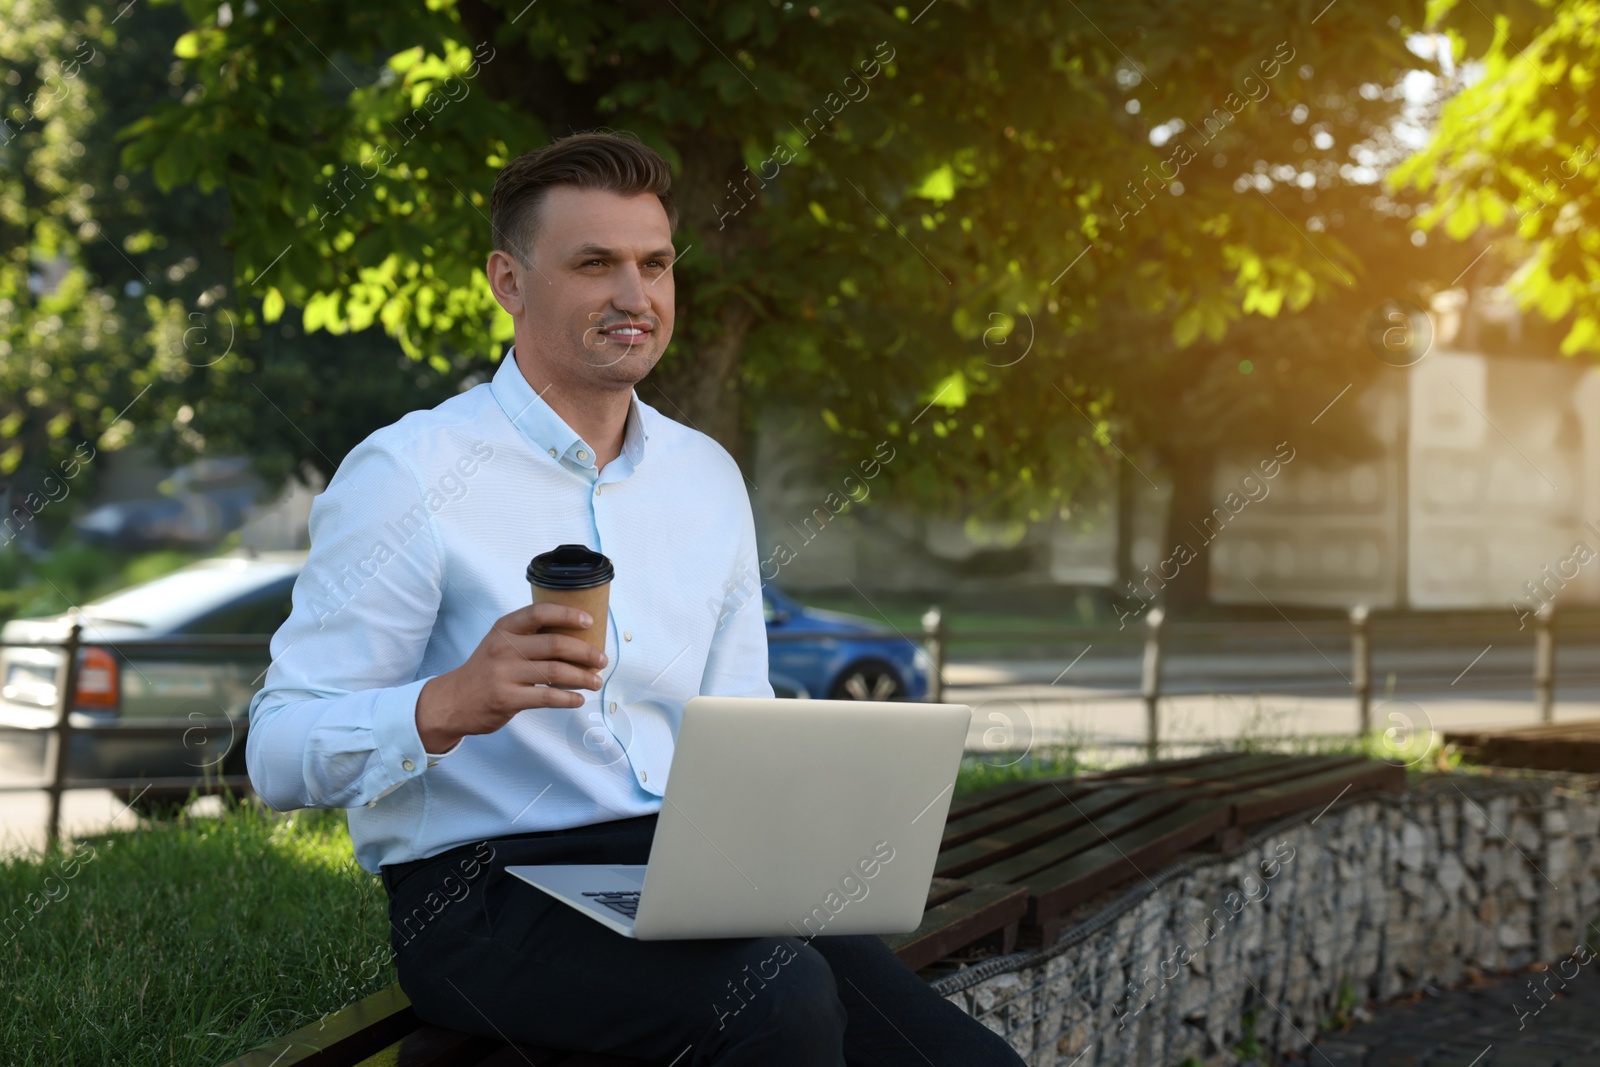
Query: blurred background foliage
{"x": 1016, "y": 239}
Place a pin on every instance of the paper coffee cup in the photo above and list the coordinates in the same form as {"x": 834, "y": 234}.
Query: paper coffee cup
{"x": 578, "y": 577}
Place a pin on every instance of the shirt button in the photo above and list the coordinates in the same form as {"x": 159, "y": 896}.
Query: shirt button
{"x": 597, "y": 489}
{"x": 644, "y": 776}
{"x": 627, "y": 635}
{"x": 613, "y": 707}
{"x": 552, "y": 452}
{"x": 372, "y": 803}
{"x": 408, "y": 765}
{"x": 582, "y": 454}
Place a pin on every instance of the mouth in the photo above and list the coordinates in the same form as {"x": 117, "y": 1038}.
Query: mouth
{"x": 630, "y": 333}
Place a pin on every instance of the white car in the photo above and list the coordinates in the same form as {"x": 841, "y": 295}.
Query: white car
{"x": 200, "y": 695}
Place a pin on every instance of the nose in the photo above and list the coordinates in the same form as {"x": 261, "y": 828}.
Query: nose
{"x": 631, "y": 296}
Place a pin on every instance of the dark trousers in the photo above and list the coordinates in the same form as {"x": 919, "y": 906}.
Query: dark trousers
{"x": 482, "y": 951}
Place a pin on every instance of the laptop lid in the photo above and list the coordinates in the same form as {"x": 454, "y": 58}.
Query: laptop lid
{"x": 801, "y": 817}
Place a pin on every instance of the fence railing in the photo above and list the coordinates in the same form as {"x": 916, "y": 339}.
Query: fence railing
{"x": 1152, "y": 642}
{"x": 1148, "y": 643}
{"x": 56, "y": 780}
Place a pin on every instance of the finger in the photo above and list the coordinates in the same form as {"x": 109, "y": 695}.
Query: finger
{"x": 544, "y": 696}
{"x": 535, "y": 617}
{"x": 554, "y": 673}
{"x": 557, "y": 647}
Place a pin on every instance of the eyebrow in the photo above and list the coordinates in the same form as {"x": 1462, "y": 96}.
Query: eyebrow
{"x": 597, "y": 250}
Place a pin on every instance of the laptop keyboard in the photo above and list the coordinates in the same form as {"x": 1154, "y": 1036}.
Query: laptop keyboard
{"x": 625, "y": 901}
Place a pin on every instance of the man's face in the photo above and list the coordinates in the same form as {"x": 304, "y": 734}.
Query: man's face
{"x": 594, "y": 305}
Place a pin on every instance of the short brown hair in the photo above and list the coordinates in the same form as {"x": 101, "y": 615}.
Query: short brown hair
{"x": 613, "y": 162}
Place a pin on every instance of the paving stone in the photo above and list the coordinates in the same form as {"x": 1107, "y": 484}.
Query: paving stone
{"x": 1527, "y": 1056}
{"x": 1338, "y": 1054}
{"x": 1399, "y": 1054}
{"x": 1474, "y": 1027}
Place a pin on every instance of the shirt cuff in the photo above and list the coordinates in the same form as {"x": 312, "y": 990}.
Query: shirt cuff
{"x": 446, "y": 752}
{"x": 431, "y": 757}
{"x": 394, "y": 729}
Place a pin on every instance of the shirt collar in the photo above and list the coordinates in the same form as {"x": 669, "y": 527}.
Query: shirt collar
{"x": 538, "y": 422}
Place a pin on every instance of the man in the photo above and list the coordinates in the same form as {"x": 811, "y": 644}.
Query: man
{"x": 414, "y": 684}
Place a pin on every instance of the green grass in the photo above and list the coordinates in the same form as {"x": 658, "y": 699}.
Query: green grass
{"x": 186, "y": 943}
{"x": 1418, "y": 753}
{"x": 983, "y": 770}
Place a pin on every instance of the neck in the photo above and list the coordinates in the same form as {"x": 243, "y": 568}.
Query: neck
{"x": 599, "y": 416}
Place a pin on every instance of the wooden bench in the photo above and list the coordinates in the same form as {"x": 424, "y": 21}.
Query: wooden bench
{"x": 1015, "y": 860}
{"x": 1064, "y": 841}
{"x": 1555, "y": 746}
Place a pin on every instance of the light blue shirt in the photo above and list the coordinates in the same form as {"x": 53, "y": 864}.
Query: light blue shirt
{"x": 421, "y": 541}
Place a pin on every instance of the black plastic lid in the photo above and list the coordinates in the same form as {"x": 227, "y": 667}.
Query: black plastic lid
{"x": 569, "y": 567}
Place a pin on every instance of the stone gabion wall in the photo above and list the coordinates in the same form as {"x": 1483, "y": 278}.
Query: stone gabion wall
{"x": 1217, "y": 959}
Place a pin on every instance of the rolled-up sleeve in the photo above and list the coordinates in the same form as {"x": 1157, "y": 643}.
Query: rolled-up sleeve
{"x": 334, "y": 726}
{"x": 736, "y": 665}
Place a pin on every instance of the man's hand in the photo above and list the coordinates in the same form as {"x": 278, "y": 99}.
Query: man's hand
{"x": 515, "y": 666}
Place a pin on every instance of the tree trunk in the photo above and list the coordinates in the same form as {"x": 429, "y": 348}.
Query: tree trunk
{"x": 1189, "y": 591}
{"x": 1127, "y": 496}
{"x": 703, "y": 390}
{"x": 702, "y": 387}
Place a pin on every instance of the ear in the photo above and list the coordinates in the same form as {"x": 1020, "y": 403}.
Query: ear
{"x": 505, "y": 281}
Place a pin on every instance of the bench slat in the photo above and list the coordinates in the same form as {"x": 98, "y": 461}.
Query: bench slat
{"x": 1055, "y": 794}
{"x": 518, "y": 1055}
{"x": 943, "y": 889}
{"x": 959, "y": 922}
{"x": 962, "y": 807}
{"x": 1049, "y": 830}
{"x": 343, "y": 1038}
{"x": 1096, "y": 823}
{"x": 433, "y": 1046}
{"x": 1560, "y": 746}
{"x": 1269, "y": 802}
{"x": 1058, "y": 889}
{"x": 523, "y": 1056}
{"x": 1073, "y": 807}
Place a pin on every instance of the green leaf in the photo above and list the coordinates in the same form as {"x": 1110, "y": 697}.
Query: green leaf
{"x": 187, "y": 46}
{"x": 951, "y": 392}
{"x": 1584, "y": 335}
{"x": 1186, "y": 328}
{"x": 272, "y": 305}
{"x": 938, "y": 186}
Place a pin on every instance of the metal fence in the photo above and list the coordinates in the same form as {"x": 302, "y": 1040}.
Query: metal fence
{"x": 57, "y": 780}
{"x": 1344, "y": 656}
{"x": 1146, "y": 647}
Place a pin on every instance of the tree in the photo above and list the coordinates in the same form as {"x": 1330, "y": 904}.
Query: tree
{"x": 1515, "y": 153}
{"x": 115, "y": 295}
{"x": 1289, "y": 379}
{"x": 874, "y": 199}
{"x": 64, "y": 366}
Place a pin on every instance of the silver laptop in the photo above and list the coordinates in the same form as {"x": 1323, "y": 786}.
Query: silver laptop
{"x": 809, "y": 818}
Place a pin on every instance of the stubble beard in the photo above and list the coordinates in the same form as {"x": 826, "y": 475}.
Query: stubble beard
{"x": 606, "y": 367}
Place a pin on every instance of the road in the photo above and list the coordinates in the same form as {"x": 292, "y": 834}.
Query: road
{"x": 1288, "y": 684}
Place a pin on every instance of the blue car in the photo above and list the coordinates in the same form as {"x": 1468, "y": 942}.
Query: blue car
{"x": 817, "y": 651}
